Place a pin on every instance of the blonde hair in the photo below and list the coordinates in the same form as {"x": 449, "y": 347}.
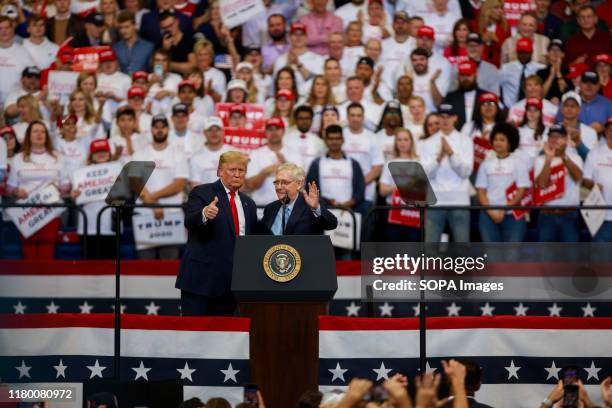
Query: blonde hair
{"x": 233, "y": 156}
{"x": 412, "y": 152}
{"x": 417, "y": 98}
{"x": 485, "y": 12}
{"x": 90, "y": 112}
{"x": 297, "y": 172}
{"x": 32, "y": 102}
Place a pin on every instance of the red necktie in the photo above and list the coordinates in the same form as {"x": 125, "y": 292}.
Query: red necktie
{"x": 234, "y": 212}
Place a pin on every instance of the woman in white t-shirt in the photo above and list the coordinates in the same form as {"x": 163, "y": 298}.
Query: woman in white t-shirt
{"x": 480, "y": 128}
{"x": 414, "y": 119}
{"x": 404, "y": 150}
{"x": 88, "y": 83}
{"x": 502, "y": 180}
{"x": 98, "y": 246}
{"x": 88, "y": 120}
{"x": 283, "y": 107}
{"x": 332, "y": 70}
{"x": 38, "y": 165}
{"x": 329, "y": 116}
{"x": 246, "y": 72}
{"x": 284, "y": 79}
{"x": 320, "y": 95}
{"x": 28, "y": 107}
{"x": 532, "y": 131}
{"x": 237, "y": 91}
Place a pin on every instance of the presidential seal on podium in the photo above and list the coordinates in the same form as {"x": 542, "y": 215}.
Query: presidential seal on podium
{"x": 282, "y": 263}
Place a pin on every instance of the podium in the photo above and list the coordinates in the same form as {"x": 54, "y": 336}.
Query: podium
{"x": 284, "y": 283}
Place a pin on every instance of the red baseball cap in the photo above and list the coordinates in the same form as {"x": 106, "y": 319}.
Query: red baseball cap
{"x": 65, "y": 54}
{"x": 297, "y": 26}
{"x": 524, "y": 45}
{"x": 70, "y": 116}
{"x": 140, "y": 75}
{"x": 108, "y": 55}
{"x": 186, "y": 82}
{"x": 136, "y": 92}
{"x": 607, "y": 58}
{"x": 285, "y": 93}
{"x": 488, "y": 97}
{"x": 275, "y": 121}
{"x": 99, "y": 145}
{"x": 535, "y": 102}
{"x": 7, "y": 129}
{"x": 426, "y": 31}
{"x": 467, "y": 68}
{"x": 237, "y": 107}
{"x": 576, "y": 70}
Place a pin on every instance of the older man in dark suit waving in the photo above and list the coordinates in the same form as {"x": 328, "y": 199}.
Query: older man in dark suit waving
{"x": 216, "y": 213}
{"x": 298, "y": 210}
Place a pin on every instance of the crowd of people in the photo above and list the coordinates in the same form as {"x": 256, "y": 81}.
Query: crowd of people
{"x": 456, "y": 387}
{"x": 498, "y": 108}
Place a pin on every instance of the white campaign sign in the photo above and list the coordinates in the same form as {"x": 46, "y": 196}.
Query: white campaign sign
{"x": 30, "y": 220}
{"x": 95, "y": 181}
{"x": 61, "y": 84}
{"x": 594, "y": 219}
{"x": 342, "y": 236}
{"x": 236, "y": 12}
{"x": 150, "y": 232}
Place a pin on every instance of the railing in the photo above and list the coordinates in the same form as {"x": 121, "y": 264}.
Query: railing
{"x": 367, "y": 231}
{"x": 56, "y": 205}
{"x": 425, "y": 209}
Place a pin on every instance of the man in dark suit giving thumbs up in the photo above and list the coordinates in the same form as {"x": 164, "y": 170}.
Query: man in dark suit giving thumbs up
{"x": 216, "y": 213}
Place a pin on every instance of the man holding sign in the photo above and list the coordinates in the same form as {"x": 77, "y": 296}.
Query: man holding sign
{"x": 557, "y": 183}
{"x": 216, "y": 213}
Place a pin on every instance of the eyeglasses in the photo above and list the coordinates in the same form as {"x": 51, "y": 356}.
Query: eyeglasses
{"x": 282, "y": 183}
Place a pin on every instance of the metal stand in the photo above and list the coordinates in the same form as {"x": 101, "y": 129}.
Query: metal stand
{"x": 422, "y": 305}
{"x": 117, "y": 332}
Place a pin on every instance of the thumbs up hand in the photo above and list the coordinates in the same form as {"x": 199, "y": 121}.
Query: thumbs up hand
{"x": 211, "y": 210}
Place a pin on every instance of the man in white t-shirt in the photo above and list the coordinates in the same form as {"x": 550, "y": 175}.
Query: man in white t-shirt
{"x": 396, "y": 49}
{"x": 166, "y": 183}
{"x": 305, "y": 63}
{"x": 14, "y": 58}
{"x": 112, "y": 84}
{"x": 30, "y": 84}
{"x": 301, "y": 139}
{"x": 205, "y": 162}
{"x": 598, "y": 171}
{"x": 361, "y": 145}
{"x": 266, "y": 159}
{"x": 38, "y": 45}
{"x": 442, "y": 20}
{"x": 180, "y": 135}
{"x": 428, "y": 84}
{"x": 448, "y": 159}
{"x": 582, "y": 138}
{"x": 355, "y": 92}
{"x": 425, "y": 39}
{"x": 558, "y": 162}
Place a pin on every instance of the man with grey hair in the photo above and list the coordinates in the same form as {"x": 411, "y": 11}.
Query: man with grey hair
{"x": 297, "y": 211}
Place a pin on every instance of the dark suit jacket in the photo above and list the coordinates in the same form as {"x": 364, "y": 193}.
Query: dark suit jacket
{"x": 206, "y": 267}
{"x": 76, "y": 27}
{"x": 456, "y": 98}
{"x": 302, "y": 220}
